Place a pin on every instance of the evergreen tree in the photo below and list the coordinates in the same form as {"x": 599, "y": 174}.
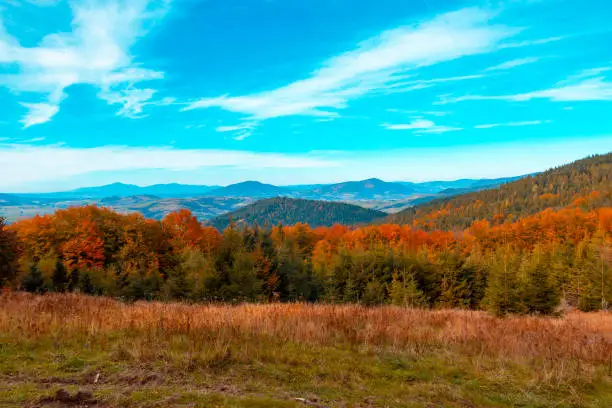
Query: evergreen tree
{"x": 33, "y": 281}
{"x": 586, "y": 278}
{"x": 59, "y": 279}
{"x": 85, "y": 284}
{"x": 540, "y": 294}
{"x": 374, "y": 293}
{"x": 503, "y": 293}
{"x": 404, "y": 291}
{"x": 73, "y": 280}
{"x": 351, "y": 289}
{"x": 8, "y": 254}
{"x": 177, "y": 285}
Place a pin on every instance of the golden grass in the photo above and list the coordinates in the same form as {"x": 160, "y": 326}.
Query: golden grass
{"x": 267, "y": 354}
{"x": 582, "y": 337}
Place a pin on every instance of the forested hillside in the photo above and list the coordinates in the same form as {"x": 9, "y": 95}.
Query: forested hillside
{"x": 289, "y": 211}
{"x": 586, "y": 184}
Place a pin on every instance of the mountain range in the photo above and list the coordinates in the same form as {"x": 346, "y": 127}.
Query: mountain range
{"x": 209, "y": 201}
{"x": 364, "y": 189}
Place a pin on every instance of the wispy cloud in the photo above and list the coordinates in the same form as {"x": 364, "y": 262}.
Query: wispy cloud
{"x": 587, "y": 85}
{"x": 240, "y": 132}
{"x": 512, "y": 124}
{"x": 527, "y": 43}
{"x": 416, "y": 112}
{"x": 513, "y": 64}
{"x": 419, "y": 125}
{"x": 380, "y": 63}
{"x": 38, "y": 113}
{"x": 416, "y": 124}
{"x": 28, "y": 164}
{"x": 95, "y": 52}
{"x": 133, "y": 101}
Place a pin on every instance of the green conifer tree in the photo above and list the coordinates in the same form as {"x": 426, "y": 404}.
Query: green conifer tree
{"x": 33, "y": 282}
{"x": 59, "y": 279}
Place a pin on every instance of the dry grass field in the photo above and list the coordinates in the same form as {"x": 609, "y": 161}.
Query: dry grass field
{"x": 69, "y": 350}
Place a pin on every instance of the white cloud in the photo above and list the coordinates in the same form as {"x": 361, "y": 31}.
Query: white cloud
{"x": 33, "y": 140}
{"x": 527, "y": 43}
{"x": 38, "y": 113}
{"x": 240, "y": 131}
{"x": 415, "y": 124}
{"x": 133, "y": 101}
{"x": 421, "y": 126}
{"x": 416, "y": 112}
{"x": 96, "y": 52}
{"x": 32, "y": 164}
{"x": 513, "y": 63}
{"x": 439, "y": 129}
{"x": 584, "y": 86}
{"x": 512, "y": 124}
{"x": 380, "y": 63}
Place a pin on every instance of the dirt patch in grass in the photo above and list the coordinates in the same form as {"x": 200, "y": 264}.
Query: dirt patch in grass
{"x": 62, "y": 398}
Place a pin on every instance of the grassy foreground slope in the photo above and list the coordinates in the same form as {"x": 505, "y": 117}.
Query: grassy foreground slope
{"x": 174, "y": 355}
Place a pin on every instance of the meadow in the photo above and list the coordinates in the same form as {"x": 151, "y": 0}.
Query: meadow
{"x": 61, "y": 350}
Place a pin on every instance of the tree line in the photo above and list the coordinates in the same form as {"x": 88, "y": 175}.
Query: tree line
{"x": 532, "y": 265}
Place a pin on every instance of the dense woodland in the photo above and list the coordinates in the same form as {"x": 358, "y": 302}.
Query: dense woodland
{"x": 585, "y": 183}
{"x": 271, "y": 211}
{"x": 550, "y": 256}
{"x": 530, "y": 266}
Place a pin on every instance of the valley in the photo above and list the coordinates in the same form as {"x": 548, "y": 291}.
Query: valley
{"x": 207, "y": 202}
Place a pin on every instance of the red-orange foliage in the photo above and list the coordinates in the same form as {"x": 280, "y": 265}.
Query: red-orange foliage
{"x": 187, "y": 232}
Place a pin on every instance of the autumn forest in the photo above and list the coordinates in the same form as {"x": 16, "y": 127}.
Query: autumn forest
{"x": 549, "y": 256}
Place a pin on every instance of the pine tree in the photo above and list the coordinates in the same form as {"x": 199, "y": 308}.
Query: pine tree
{"x": 177, "y": 284}
{"x": 587, "y": 278}
{"x": 374, "y": 293}
{"x": 503, "y": 291}
{"x": 540, "y": 294}
{"x": 351, "y": 289}
{"x": 85, "y": 284}
{"x": 59, "y": 279}
{"x": 8, "y": 254}
{"x": 404, "y": 291}
{"x": 73, "y": 281}
{"x": 33, "y": 281}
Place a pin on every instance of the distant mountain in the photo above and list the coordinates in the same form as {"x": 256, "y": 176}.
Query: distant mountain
{"x": 209, "y": 201}
{"x": 364, "y": 189}
{"x": 9, "y": 199}
{"x": 461, "y": 185}
{"x": 585, "y": 183}
{"x": 290, "y": 211}
{"x": 109, "y": 190}
{"x": 177, "y": 190}
{"x": 127, "y": 190}
{"x": 249, "y": 189}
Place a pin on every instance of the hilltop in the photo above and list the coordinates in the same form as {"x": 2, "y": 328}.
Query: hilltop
{"x": 291, "y": 211}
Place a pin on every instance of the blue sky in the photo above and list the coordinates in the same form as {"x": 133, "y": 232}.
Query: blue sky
{"x": 293, "y": 91}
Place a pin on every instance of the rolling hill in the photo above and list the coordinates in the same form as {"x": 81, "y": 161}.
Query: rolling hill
{"x": 291, "y": 211}
{"x": 128, "y": 190}
{"x": 249, "y": 189}
{"x": 586, "y": 183}
{"x": 461, "y": 185}
{"x": 364, "y": 189}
